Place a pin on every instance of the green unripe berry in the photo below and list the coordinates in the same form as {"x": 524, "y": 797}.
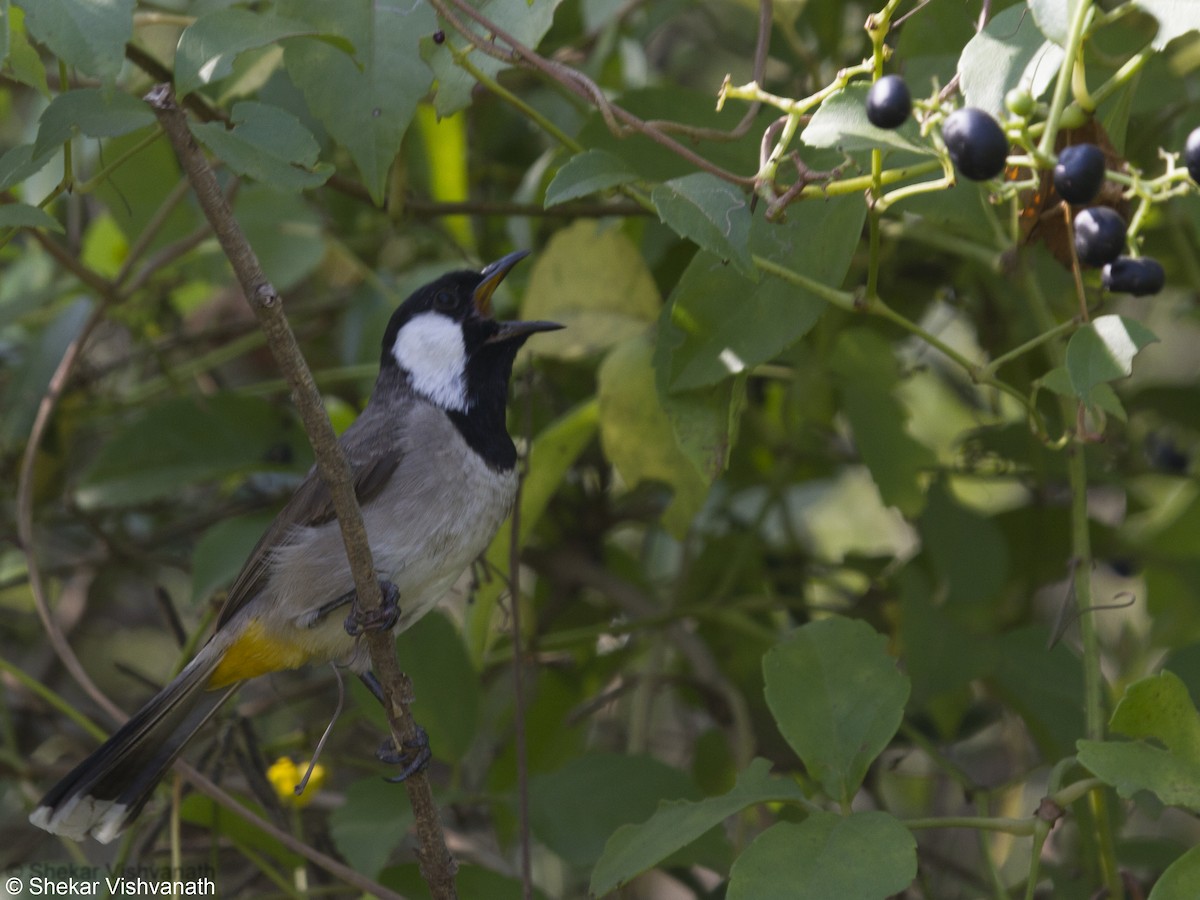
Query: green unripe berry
{"x": 1020, "y": 102}
{"x": 1073, "y": 117}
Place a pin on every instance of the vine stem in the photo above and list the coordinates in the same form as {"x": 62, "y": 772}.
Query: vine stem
{"x": 1058, "y": 102}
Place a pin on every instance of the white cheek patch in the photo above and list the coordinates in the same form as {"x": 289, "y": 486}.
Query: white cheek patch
{"x": 430, "y": 349}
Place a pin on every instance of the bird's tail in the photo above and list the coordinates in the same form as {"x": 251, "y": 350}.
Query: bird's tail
{"x": 109, "y": 788}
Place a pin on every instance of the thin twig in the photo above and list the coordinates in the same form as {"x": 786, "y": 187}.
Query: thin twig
{"x": 518, "y": 663}
{"x": 437, "y": 866}
{"x": 25, "y": 535}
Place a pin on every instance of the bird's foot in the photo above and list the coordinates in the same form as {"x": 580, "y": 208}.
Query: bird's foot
{"x": 382, "y": 618}
{"x": 413, "y": 756}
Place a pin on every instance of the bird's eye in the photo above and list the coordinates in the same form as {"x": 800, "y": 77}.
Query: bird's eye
{"x": 445, "y": 301}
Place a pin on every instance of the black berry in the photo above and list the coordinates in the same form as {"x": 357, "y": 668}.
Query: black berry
{"x": 889, "y": 103}
{"x": 1191, "y": 155}
{"x": 1137, "y": 275}
{"x": 976, "y": 142}
{"x": 439, "y": 37}
{"x": 1079, "y": 173}
{"x": 1099, "y": 236}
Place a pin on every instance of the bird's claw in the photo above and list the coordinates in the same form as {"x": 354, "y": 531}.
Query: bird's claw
{"x": 382, "y": 618}
{"x": 413, "y": 756}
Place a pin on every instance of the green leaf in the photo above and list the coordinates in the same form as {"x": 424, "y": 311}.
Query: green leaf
{"x": 551, "y": 455}
{"x": 722, "y": 323}
{"x": 1102, "y": 396}
{"x": 365, "y": 101}
{"x": 638, "y": 435}
{"x": 221, "y": 550}
{"x": 208, "y": 47}
{"x": 267, "y": 144}
{"x": 525, "y": 20}
{"x": 23, "y": 60}
{"x": 633, "y": 849}
{"x": 182, "y": 441}
{"x": 84, "y": 34}
{"x": 1053, "y": 18}
{"x": 92, "y": 112}
{"x": 22, "y": 215}
{"x": 1103, "y": 350}
{"x": 1180, "y": 880}
{"x": 1009, "y": 52}
{"x": 586, "y": 173}
{"x": 967, "y": 549}
{"x": 367, "y": 827}
{"x": 1133, "y": 766}
{"x": 445, "y": 684}
{"x": 841, "y": 122}
{"x": 1042, "y": 686}
{"x": 705, "y": 422}
{"x": 869, "y": 374}
{"x": 19, "y": 163}
{"x": 1161, "y": 708}
{"x": 574, "y": 810}
{"x": 284, "y": 231}
{"x": 837, "y": 698}
{"x": 26, "y": 382}
{"x": 862, "y": 856}
{"x": 713, "y": 214}
{"x": 593, "y": 280}
{"x": 1175, "y": 19}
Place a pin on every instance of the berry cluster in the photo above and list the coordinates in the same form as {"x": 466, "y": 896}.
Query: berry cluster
{"x": 978, "y": 148}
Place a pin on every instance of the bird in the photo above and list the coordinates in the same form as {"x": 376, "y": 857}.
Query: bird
{"x": 434, "y": 469}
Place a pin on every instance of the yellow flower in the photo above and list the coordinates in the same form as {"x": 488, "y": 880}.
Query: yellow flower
{"x": 284, "y": 775}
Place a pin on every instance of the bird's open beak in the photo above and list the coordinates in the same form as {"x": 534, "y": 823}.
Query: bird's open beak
{"x": 491, "y": 276}
{"x": 507, "y": 331}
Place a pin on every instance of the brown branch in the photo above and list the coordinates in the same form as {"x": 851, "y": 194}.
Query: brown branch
{"x": 619, "y": 120}
{"x": 437, "y": 866}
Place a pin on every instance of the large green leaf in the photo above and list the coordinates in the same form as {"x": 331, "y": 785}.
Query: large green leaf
{"x": 638, "y": 435}
{"x": 221, "y": 551}
{"x": 1103, "y": 350}
{"x": 713, "y": 214}
{"x": 369, "y": 824}
{"x": 525, "y": 20}
{"x": 574, "y": 811}
{"x": 84, "y": 34}
{"x": 551, "y": 455}
{"x": 1175, "y": 19}
{"x": 208, "y": 47}
{"x": 91, "y": 111}
{"x": 365, "y": 101}
{"x": 1181, "y": 880}
{"x": 1157, "y": 708}
{"x": 1133, "y": 766}
{"x": 19, "y": 163}
{"x": 868, "y": 375}
{"x": 181, "y": 442}
{"x": 26, "y": 382}
{"x": 586, "y": 173}
{"x": 722, "y": 323}
{"x": 837, "y": 698}
{"x": 633, "y": 849}
{"x": 863, "y": 856}
{"x": 1009, "y": 52}
{"x": 267, "y": 144}
{"x": 841, "y": 122}
{"x": 592, "y": 280}
{"x": 22, "y": 215}
{"x": 445, "y": 685}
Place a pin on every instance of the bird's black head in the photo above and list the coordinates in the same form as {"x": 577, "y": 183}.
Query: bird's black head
{"x": 451, "y": 351}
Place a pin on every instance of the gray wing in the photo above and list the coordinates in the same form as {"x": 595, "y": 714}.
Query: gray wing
{"x": 312, "y": 505}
